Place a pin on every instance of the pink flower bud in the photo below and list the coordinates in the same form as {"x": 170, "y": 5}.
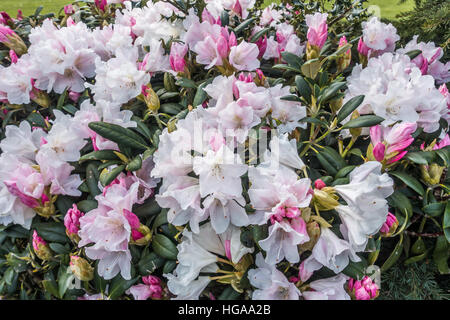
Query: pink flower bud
{"x": 443, "y": 143}
{"x": 342, "y": 42}
{"x": 390, "y": 225}
{"x": 364, "y": 289}
{"x": 132, "y": 219}
{"x": 37, "y": 241}
{"x": 5, "y": 33}
{"x": 151, "y": 280}
{"x": 317, "y": 29}
{"x": 237, "y": 8}
{"x": 222, "y": 46}
{"x": 363, "y": 49}
{"x": 177, "y": 53}
{"x": 379, "y": 151}
{"x": 136, "y": 235}
{"x": 319, "y": 184}
{"x": 232, "y": 41}
{"x": 74, "y": 96}
{"x": 5, "y": 18}
{"x": 101, "y": 4}
{"x": 421, "y": 62}
{"x": 207, "y": 16}
{"x": 72, "y": 220}
{"x": 13, "y": 56}
{"x": 19, "y": 15}
{"x": 68, "y": 9}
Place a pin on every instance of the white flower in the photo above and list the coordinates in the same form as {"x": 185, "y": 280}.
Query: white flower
{"x": 378, "y": 36}
{"x": 245, "y": 56}
{"x": 271, "y": 283}
{"x": 283, "y": 239}
{"x": 220, "y": 171}
{"x": 328, "y": 289}
{"x": 332, "y": 252}
{"x": 22, "y": 141}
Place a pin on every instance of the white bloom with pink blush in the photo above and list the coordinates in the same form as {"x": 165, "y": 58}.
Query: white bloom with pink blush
{"x": 378, "y": 36}
{"x": 328, "y": 289}
{"x": 270, "y": 283}
{"x": 245, "y": 56}
{"x": 317, "y": 29}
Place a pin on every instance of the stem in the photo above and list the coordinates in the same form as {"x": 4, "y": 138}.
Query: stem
{"x": 352, "y": 141}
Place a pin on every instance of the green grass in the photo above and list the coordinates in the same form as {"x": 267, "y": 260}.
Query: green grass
{"x": 29, "y": 6}
{"x": 387, "y": 8}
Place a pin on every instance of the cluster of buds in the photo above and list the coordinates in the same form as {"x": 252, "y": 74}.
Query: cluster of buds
{"x": 389, "y": 226}
{"x": 389, "y": 144}
{"x": 10, "y": 39}
{"x": 364, "y": 289}
{"x": 101, "y": 5}
{"x": 81, "y": 268}
{"x": 140, "y": 233}
{"x": 41, "y": 248}
{"x": 72, "y": 223}
{"x": 151, "y": 288}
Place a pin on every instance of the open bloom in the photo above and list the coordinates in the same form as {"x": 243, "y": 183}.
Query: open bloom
{"x": 271, "y": 283}
{"x": 328, "y": 289}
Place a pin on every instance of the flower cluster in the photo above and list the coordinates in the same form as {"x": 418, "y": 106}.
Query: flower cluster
{"x": 218, "y": 150}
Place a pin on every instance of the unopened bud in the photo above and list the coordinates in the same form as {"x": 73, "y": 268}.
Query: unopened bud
{"x": 81, "y": 268}
{"x": 325, "y": 199}
{"x": 389, "y": 226}
{"x": 312, "y": 52}
{"x": 432, "y": 174}
{"x": 364, "y": 289}
{"x": 141, "y": 236}
{"x": 41, "y": 248}
{"x": 151, "y": 98}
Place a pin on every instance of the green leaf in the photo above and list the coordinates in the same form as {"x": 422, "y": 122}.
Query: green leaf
{"x": 311, "y": 67}
{"x": 315, "y": 121}
{"x": 61, "y": 99}
{"x": 401, "y": 202}
{"x": 291, "y": 97}
{"x": 92, "y": 177}
{"x": 51, "y": 231}
{"x": 164, "y": 247}
{"x": 119, "y": 285}
{"x": 420, "y": 157}
{"x": 118, "y": 134}
{"x": 409, "y": 180}
{"x": 418, "y": 247}
{"x": 416, "y": 258}
{"x": 201, "y": 95}
{"x": 135, "y": 164}
{"x": 99, "y": 155}
{"x": 107, "y": 178}
{"x": 229, "y": 294}
{"x": 292, "y": 59}
{"x": 87, "y": 205}
{"x": 186, "y": 83}
{"x": 149, "y": 263}
{"x": 147, "y": 209}
{"x": 363, "y": 121}
{"x": 329, "y": 168}
{"x": 169, "y": 266}
{"x": 331, "y": 91}
{"x": 259, "y": 34}
{"x": 356, "y": 270}
{"x": 413, "y": 53}
{"x": 334, "y": 157}
{"x": 441, "y": 255}
{"x": 160, "y": 219}
{"x": 343, "y": 172}
{"x": 350, "y": 106}
{"x": 171, "y": 108}
{"x": 303, "y": 88}
{"x": 244, "y": 25}
{"x": 59, "y": 248}
{"x": 446, "y": 221}
{"x": 65, "y": 278}
{"x": 36, "y": 119}
{"x": 285, "y": 67}
{"x": 394, "y": 256}
{"x": 434, "y": 209}
{"x": 50, "y": 286}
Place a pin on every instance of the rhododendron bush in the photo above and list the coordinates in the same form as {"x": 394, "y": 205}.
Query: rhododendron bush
{"x": 218, "y": 150}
